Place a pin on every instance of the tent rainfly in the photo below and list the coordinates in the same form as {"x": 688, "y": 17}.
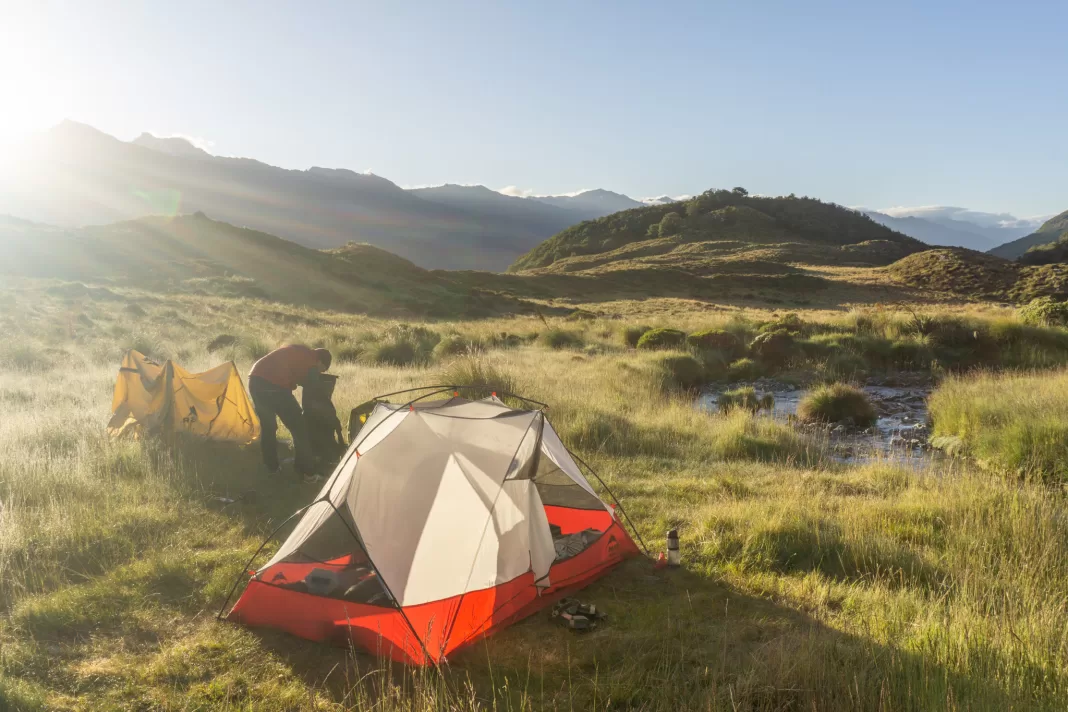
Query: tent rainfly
{"x": 444, "y": 522}
{"x": 150, "y": 397}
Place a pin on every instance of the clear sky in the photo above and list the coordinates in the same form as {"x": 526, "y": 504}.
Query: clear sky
{"x": 889, "y": 104}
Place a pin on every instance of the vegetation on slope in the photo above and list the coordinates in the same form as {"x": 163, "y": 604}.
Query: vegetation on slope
{"x": 1050, "y": 231}
{"x": 970, "y": 274}
{"x": 1049, "y": 253}
{"x": 193, "y": 254}
{"x": 718, "y": 216}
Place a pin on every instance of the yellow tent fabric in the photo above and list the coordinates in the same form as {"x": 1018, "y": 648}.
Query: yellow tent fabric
{"x": 150, "y": 397}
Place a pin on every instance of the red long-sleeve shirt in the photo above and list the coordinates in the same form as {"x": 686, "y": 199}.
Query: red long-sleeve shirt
{"x": 286, "y": 367}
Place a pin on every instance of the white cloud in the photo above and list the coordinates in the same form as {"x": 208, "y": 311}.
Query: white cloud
{"x": 664, "y": 199}
{"x": 975, "y": 217}
{"x": 202, "y": 143}
{"x": 516, "y": 191}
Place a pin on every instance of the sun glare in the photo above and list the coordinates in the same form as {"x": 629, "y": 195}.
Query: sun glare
{"x": 38, "y": 88}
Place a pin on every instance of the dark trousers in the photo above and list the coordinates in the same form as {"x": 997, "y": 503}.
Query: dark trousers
{"x": 273, "y": 403}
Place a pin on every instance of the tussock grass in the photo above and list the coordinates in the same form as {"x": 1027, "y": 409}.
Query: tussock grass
{"x": 561, "y": 339}
{"x": 662, "y": 338}
{"x": 837, "y": 403}
{"x": 630, "y": 335}
{"x": 807, "y": 584}
{"x": 682, "y": 372}
{"x": 486, "y": 376}
{"x": 744, "y": 398}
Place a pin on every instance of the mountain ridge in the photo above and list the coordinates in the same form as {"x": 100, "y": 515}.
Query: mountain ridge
{"x": 1050, "y": 231}
{"x": 76, "y": 175}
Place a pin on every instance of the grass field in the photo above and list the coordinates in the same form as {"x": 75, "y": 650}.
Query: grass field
{"x": 807, "y": 585}
{"x": 1016, "y": 424}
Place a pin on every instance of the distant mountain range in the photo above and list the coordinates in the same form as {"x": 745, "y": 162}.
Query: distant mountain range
{"x": 954, "y": 227}
{"x": 75, "y": 175}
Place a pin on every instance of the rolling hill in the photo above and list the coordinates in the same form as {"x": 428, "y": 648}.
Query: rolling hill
{"x": 1051, "y": 231}
{"x": 194, "y": 254}
{"x": 977, "y": 275}
{"x": 75, "y": 175}
{"x": 723, "y": 225}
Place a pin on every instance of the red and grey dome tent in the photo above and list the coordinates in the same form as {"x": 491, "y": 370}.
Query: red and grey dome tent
{"x": 445, "y": 521}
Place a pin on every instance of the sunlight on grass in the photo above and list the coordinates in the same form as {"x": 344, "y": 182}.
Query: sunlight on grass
{"x": 808, "y": 584}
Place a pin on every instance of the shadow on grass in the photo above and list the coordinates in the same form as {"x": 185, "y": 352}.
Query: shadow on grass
{"x": 674, "y": 640}
{"x": 215, "y": 472}
{"x": 819, "y": 546}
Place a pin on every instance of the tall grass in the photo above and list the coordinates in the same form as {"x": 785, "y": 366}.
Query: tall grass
{"x": 1015, "y": 423}
{"x": 806, "y": 584}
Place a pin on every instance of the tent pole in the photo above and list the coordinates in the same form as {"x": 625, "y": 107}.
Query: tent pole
{"x": 244, "y": 570}
{"x": 445, "y": 387}
{"x": 613, "y": 495}
{"x": 381, "y": 581}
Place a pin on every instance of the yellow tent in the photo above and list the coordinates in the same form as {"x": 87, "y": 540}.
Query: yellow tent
{"x": 154, "y": 398}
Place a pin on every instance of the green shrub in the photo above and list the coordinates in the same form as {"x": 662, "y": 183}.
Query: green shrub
{"x": 1045, "y": 311}
{"x": 393, "y": 353}
{"x": 745, "y": 398}
{"x": 452, "y": 346}
{"x": 682, "y": 372}
{"x": 561, "y": 339}
{"x": 774, "y": 348}
{"x": 631, "y": 334}
{"x": 790, "y": 323}
{"x": 744, "y": 369}
{"x": 837, "y": 403}
{"x": 715, "y": 339}
{"x": 670, "y": 225}
{"x": 662, "y": 339}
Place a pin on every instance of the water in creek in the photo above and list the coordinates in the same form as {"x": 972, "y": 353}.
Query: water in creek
{"x": 899, "y": 435}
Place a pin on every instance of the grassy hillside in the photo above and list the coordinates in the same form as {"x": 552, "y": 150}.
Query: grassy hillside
{"x": 1051, "y": 231}
{"x": 720, "y": 216}
{"x": 808, "y": 583}
{"x": 193, "y": 254}
{"x": 978, "y": 275}
{"x": 1048, "y": 253}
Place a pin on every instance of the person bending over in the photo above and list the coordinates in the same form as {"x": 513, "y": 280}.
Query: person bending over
{"x": 271, "y": 383}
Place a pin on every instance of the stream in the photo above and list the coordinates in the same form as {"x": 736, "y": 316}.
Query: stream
{"x": 899, "y": 435}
